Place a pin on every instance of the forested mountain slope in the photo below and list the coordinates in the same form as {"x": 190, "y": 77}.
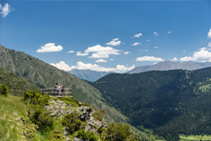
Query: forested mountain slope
{"x": 170, "y": 102}
{"x": 44, "y": 75}
{"x": 17, "y": 85}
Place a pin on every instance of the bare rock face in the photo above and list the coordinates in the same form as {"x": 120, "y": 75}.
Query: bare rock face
{"x": 85, "y": 113}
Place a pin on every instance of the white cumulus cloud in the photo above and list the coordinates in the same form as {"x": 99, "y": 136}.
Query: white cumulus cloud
{"x": 156, "y": 34}
{"x": 63, "y": 66}
{"x": 156, "y": 47}
{"x": 101, "y": 60}
{"x": 99, "y": 51}
{"x": 5, "y": 10}
{"x": 169, "y": 32}
{"x": 81, "y": 54}
{"x": 127, "y": 52}
{"x": 82, "y": 66}
{"x": 114, "y": 42}
{"x": 175, "y": 59}
{"x": 203, "y": 53}
{"x": 71, "y": 51}
{"x": 186, "y": 58}
{"x": 209, "y": 45}
{"x": 136, "y": 43}
{"x": 149, "y": 58}
{"x": 138, "y": 35}
{"x": 209, "y": 34}
{"x": 50, "y": 47}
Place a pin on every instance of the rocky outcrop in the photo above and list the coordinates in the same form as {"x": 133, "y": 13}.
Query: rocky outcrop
{"x": 86, "y": 111}
{"x": 59, "y": 108}
{"x": 56, "y": 107}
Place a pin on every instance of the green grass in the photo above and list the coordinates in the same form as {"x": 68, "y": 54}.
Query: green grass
{"x": 14, "y": 120}
{"x": 195, "y": 138}
{"x": 70, "y": 101}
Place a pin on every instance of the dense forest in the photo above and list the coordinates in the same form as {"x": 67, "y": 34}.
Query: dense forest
{"x": 169, "y": 102}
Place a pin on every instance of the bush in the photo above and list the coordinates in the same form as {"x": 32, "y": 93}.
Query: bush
{"x": 119, "y": 132}
{"x": 87, "y": 136}
{"x": 37, "y": 113}
{"x": 35, "y": 98}
{"x": 40, "y": 117}
{"x": 72, "y": 121}
{"x": 101, "y": 129}
{"x": 4, "y": 90}
{"x": 98, "y": 115}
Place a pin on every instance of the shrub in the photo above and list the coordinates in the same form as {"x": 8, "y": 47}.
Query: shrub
{"x": 4, "y": 90}
{"x": 98, "y": 115}
{"x": 118, "y": 132}
{"x": 72, "y": 121}
{"x": 37, "y": 113}
{"x": 40, "y": 117}
{"x": 101, "y": 129}
{"x": 87, "y": 135}
{"x": 35, "y": 98}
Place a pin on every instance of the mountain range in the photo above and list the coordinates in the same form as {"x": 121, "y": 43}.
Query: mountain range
{"x": 92, "y": 76}
{"x": 89, "y": 75}
{"x": 169, "y": 102}
{"x": 169, "y": 65}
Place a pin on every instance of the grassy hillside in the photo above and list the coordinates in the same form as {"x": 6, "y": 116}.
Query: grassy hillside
{"x": 169, "y": 102}
{"x": 44, "y": 75}
{"x": 13, "y": 114}
{"x": 17, "y": 85}
{"x": 17, "y": 120}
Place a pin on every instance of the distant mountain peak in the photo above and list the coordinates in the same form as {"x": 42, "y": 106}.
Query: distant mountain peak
{"x": 89, "y": 75}
{"x": 170, "y": 65}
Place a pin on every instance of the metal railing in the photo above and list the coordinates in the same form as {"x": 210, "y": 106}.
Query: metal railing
{"x": 54, "y": 92}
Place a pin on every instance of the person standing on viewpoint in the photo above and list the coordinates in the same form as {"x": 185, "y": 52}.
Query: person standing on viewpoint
{"x": 63, "y": 90}
{"x": 55, "y": 89}
{"x": 58, "y": 88}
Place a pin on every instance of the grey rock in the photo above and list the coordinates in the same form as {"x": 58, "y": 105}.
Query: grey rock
{"x": 53, "y": 114}
{"x": 77, "y": 139}
{"x": 88, "y": 128}
{"x": 68, "y": 139}
{"x": 61, "y": 112}
{"x": 65, "y": 133}
{"x": 69, "y": 112}
{"x": 56, "y": 107}
{"x": 47, "y": 107}
{"x": 98, "y": 124}
{"x": 67, "y": 129}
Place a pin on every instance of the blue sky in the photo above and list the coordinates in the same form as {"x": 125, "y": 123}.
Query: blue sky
{"x": 108, "y": 35}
